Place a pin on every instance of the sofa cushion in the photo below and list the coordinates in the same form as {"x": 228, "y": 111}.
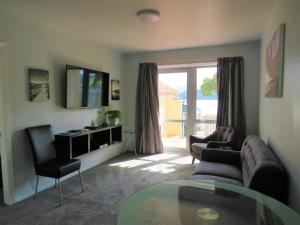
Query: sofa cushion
{"x": 218, "y": 169}
{"x": 216, "y": 178}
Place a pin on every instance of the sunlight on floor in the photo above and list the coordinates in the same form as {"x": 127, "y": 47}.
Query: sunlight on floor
{"x": 130, "y": 163}
{"x": 161, "y": 168}
{"x": 159, "y": 157}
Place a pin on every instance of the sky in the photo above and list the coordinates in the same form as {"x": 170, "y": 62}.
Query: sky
{"x": 178, "y": 81}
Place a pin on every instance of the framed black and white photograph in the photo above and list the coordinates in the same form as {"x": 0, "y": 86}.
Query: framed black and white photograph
{"x": 115, "y": 89}
{"x": 38, "y": 85}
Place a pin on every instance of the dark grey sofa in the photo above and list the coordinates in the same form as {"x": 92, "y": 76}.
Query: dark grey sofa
{"x": 255, "y": 167}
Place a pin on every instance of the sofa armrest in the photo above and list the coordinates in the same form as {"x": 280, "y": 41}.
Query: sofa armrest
{"x": 194, "y": 139}
{"x": 221, "y": 156}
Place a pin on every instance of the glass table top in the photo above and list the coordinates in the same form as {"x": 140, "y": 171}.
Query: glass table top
{"x": 203, "y": 202}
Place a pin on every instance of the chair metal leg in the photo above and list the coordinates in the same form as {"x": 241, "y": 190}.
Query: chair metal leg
{"x": 127, "y": 144}
{"x": 80, "y": 180}
{"x": 60, "y": 195}
{"x": 193, "y": 160}
{"x": 36, "y": 186}
{"x": 134, "y": 146}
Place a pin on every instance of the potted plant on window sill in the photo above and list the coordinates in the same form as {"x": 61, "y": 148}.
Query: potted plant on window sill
{"x": 113, "y": 117}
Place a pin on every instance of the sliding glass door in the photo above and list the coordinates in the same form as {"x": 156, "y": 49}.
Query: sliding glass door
{"x": 188, "y": 104}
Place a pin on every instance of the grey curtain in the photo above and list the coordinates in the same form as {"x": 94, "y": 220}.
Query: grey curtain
{"x": 148, "y": 139}
{"x": 231, "y": 111}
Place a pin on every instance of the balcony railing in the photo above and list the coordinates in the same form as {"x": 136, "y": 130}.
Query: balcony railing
{"x": 173, "y": 128}
{"x": 203, "y": 128}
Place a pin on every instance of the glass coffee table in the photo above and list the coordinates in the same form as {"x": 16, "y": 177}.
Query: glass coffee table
{"x": 190, "y": 202}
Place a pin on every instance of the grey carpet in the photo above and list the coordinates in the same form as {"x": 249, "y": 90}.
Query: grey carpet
{"x": 106, "y": 188}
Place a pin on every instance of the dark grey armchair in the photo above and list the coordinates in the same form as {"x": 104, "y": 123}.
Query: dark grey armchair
{"x": 221, "y": 138}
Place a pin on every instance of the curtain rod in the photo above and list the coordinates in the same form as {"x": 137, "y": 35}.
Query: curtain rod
{"x": 188, "y": 64}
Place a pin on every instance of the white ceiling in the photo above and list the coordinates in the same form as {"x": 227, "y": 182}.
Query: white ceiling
{"x": 184, "y": 23}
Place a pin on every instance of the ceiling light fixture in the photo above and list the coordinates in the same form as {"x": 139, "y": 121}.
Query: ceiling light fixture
{"x": 148, "y": 15}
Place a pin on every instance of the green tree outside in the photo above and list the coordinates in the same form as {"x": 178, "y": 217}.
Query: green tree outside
{"x": 209, "y": 86}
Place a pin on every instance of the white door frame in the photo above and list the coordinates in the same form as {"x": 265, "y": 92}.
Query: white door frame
{"x": 5, "y": 142}
{"x": 191, "y": 102}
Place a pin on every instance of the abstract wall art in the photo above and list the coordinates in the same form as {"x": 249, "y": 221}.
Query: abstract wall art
{"x": 275, "y": 64}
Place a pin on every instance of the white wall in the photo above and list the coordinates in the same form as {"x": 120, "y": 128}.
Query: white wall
{"x": 30, "y": 44}
{"x": 280, "y": 117}
{"x": 249, "y": 50}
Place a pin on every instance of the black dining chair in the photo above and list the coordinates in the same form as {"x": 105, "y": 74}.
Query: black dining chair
{"x": 44, "y": 154}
